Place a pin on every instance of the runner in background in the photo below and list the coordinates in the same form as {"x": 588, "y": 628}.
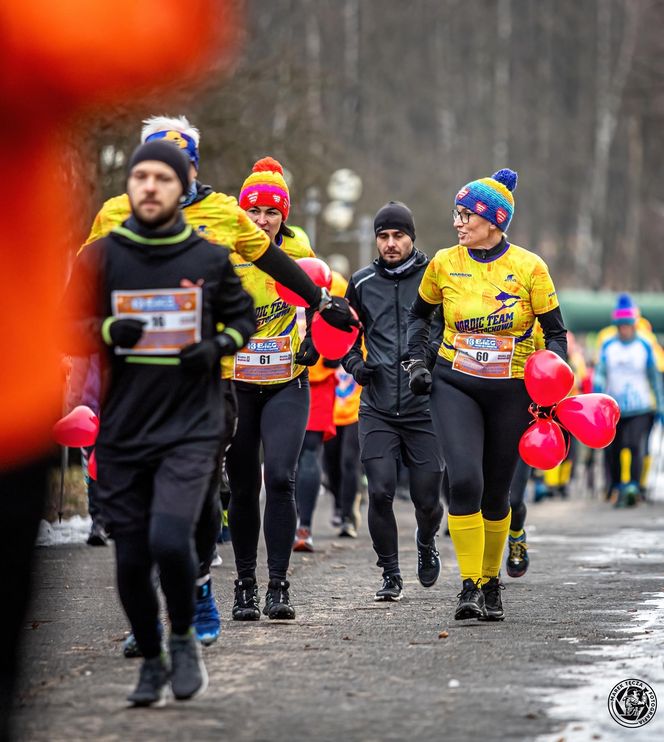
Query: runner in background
{"x": 394, "y": 418}
{"x": 491, "y": 292}
{"x": 320, "y": 429}
{"x": 625, "y": 304}
{"x": 272, "y": 385}
{"x": 627, "y": 371}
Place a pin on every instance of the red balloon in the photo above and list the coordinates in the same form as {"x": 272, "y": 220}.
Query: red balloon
{"x": 78, "y": 428}
{"x": 92, "y": 466}
{"x": 329, "y": 341}
{"x": 592, "y": 418}
{"x": 542, "y": 446}
{"x": 318, "y": 271}
{"x": 548, "y": 378}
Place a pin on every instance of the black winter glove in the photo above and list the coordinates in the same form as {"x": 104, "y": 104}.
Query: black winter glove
{"x": 363, "y": 374}
{"x": 307, "y": 355}
{"x": 126, "y": 332}
{"x": 204, "y": 356}
{"x": 329, "y": 363}
{"x": 337, "y": 313}
{"x": 419, "y": 378}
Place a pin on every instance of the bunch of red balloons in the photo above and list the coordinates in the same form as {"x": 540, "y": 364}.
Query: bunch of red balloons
{"x": 590, "y": 418}
{"x": 329, "y": 341}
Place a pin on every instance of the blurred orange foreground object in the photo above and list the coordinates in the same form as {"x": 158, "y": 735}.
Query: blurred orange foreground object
{"x": 59, "y": 58}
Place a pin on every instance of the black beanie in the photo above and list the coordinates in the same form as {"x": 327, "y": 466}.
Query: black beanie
{"x": 165, "y": 152}
{"x": 395, "y": 215}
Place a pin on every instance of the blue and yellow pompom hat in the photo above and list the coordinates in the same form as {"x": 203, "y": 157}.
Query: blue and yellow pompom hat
{"x": 626, "y": 312}
{"x": 491, "y": 198}
{"x": 179, "y": 139}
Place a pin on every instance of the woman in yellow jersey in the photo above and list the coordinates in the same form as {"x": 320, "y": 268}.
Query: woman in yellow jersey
{"x": 273, "y": 405}
{"x": 491, "y": 293}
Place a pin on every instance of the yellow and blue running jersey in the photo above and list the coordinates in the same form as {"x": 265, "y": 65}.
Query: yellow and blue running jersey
{"x": 500, "y": 297}
{"x": 268, "y": 358}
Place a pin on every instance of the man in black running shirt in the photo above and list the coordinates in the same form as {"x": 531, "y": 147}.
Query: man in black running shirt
{"x": 154, "y": 293}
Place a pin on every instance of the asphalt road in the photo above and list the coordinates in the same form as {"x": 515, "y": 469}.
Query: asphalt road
{"x": 589, "y": 614}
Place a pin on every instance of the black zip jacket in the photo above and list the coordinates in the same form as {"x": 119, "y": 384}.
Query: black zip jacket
{"x": 148, "y": 405}
{"x": 382, "y": 300}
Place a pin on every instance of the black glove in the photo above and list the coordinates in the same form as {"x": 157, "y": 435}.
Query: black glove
{"x": 419, "y": 378}
{"x": 125, "y": 332}
{"x": 204, "y": 356}
{"x": 329, "y": 363}
{"x": 307, "y": 355}
{"x": 337, "y": 313}
{"x": 363, "y": 374}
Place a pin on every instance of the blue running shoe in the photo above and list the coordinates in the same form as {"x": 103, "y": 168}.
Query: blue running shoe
{"x": 130, "y": 647}
{"x": 206, "y": 616}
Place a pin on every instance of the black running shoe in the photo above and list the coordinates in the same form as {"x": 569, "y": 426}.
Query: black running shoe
{"x": 517, "y": 556}
{"x": 188, "y": 675}
{"x": 152, "y": 682}
{"x": 98, "y": 535}
{"x": 493, "y": 603}
{"x": 246, "y": 606}
{"x": 428, "y": 562}
{"x": 391, "y": 590}
{"x": 277, "y": 602}
{"x": 471, "y": 601}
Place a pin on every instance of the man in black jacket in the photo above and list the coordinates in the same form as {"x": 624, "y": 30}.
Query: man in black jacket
{"x": 154, "y": 292}
{"x": 394, "y": 423}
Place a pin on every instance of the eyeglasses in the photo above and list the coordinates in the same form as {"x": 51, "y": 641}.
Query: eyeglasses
{"x": 463, "y": 216}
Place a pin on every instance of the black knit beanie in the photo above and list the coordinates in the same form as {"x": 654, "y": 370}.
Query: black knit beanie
{"x": 165, "y": 152}
{"x": 395, "y": 215}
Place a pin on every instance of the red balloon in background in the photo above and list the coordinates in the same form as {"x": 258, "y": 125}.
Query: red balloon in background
{"x": 592, "y": 418}
{"x": 317, "y": 270}
{"x": 548, "y": 378}
{"x": 79, "y": 428}
{"x": 92, "y": 466}
{"x": 329, "y": 341}
{"x": 543, "y": 446}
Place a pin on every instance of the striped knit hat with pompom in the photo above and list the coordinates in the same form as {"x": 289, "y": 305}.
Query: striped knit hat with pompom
{"x": 266, "y": 187}
{"x": 491, "y": 198}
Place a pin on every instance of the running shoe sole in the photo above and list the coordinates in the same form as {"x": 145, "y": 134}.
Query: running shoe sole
{"x": 469, "y": 611}
{"x": 280, "y": 612}
{"x": 302, "y": 546}
{"x": 386, "y": 599}
{"x": 247, "y": 615}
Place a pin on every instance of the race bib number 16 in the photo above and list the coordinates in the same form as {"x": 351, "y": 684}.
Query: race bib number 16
{"x": 172, "y": 318}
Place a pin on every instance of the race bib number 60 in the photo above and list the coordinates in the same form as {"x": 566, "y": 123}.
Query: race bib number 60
{"x": 485, "y": 356}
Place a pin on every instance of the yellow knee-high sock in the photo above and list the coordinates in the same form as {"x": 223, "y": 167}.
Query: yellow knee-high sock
{"x": 645, "y": 470}
{"x": 467, "y": 534}
{"x": 565, "y": 472}
{"x": 552, "y": 477}
{"x": 495, "y": 536}
{"x": 625, "y": 465}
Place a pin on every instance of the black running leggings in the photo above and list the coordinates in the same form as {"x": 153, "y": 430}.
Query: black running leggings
{"x": 479, "y": 423}
{"x": 307, "y": 481}
{"x": 425, "y": 494}
{"x": 342, "y": 462}
{"x": 209, "y": 522}
{"x": 518, "y": 495}
{"x": 631, "y": 433}
{"x": 276, "y": 416}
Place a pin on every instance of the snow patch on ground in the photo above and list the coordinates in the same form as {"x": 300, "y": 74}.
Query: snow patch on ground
{"x": 72, "y": 531}
{"x": 641, "y": 656}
